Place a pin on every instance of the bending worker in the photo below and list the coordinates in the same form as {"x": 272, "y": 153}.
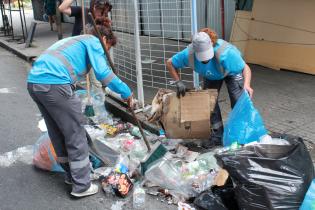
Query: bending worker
{"x": 217, "y": 61}
{"x": 51, "y": 83}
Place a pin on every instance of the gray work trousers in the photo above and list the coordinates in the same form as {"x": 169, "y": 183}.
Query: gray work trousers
{"x": 61, "y": 109}
{"x": 235, "y": 86}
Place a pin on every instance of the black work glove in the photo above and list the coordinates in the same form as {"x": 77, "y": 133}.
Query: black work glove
{"x": 181, "y": 88}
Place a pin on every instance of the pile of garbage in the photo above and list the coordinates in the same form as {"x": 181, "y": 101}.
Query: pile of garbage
{"x": 273, "y": 172}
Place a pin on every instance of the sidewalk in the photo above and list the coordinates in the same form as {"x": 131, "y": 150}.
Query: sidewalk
{"x": 43, "y": 37}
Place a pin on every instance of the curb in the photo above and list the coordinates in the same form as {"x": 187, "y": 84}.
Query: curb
{"x": 21, "y": 55}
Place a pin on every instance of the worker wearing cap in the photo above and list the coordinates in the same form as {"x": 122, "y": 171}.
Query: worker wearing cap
{"x": 51, "y": 84}
{"x": 217, "y": 61}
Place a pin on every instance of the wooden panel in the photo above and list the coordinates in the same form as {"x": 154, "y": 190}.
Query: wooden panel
{"x": 240, "y": 30}
{"x": 282, "y": 35}
{"x": 275, "y": 55}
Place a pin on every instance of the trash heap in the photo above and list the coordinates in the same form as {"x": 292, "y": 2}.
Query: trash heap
{"x": 273, "y": 172}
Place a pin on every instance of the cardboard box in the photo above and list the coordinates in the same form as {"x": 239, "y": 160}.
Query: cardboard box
{"x": 189, "y": 116}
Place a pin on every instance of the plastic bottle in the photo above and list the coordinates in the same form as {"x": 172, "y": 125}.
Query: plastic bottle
{"x": 138, "y": 198}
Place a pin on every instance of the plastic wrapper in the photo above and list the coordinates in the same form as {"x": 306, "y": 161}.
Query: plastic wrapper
{"x": 118, "y": 183}
{"x": 269, "y": 176}
{"x": 95, "y": 132}
{"x": 309, "y": 200}
{"x": 45, "y": 156}
{"x": 244, "y": 124}
{"x": 266, "y": 139}
{"x": 22, "y": 154}
{"x": 166, "y": 175}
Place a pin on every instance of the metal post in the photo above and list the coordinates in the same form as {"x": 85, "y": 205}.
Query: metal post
{"x": 194, "y": 30}
{"x": 138, "y": 56}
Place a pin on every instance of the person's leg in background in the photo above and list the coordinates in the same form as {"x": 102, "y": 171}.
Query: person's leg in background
{"x": 215, "y": 118}
{"x": 235, "y": 86}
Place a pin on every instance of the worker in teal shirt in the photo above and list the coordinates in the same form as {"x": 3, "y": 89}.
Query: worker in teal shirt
{"x": 216, "y": 61}
{"x": 51, "y": 84}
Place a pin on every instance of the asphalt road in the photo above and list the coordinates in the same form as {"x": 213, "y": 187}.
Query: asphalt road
{"x": 21, "y": 185}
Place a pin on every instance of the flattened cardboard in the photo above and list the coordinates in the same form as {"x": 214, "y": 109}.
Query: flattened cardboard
{"x": 194, "y": 129}
{"x": 195, "y": 106}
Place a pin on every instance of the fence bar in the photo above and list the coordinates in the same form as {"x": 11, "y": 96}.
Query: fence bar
{"x": 138, "y": 56}
{"x": 193, "y": 31}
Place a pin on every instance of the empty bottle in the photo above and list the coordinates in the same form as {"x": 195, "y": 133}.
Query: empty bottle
{"x": 138, "y": 198}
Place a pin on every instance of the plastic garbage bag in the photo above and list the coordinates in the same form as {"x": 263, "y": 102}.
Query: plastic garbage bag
{"x": 207, "y": 200}
{"x": 45, "y": 156}
{"x": 269, "y": 176}
{"x": 244, "y": 123}
{"x": 309, "y": 200}
{"x": 227, "y": 194}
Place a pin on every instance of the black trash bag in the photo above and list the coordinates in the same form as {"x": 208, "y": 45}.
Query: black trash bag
{"x": 207, "y": 200}
{"x": 269, "y": 176}
{"x": 227, "y": 194}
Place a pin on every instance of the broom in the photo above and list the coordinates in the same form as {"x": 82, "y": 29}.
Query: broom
{"x": 89, "y": 109}
{"x": 158, "y": 150}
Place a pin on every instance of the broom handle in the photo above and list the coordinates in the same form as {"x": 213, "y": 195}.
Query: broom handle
{"x": 140, "y": 128}
{"x": 102, "y": 43}
{"x": 84, "y": 32}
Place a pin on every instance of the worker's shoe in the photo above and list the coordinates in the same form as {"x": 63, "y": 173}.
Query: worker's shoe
{"x": 93, "y": 189}
{"x": 68, "y": 181}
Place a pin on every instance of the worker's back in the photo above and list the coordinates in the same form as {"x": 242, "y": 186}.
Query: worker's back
{"x": 67, "y": 60}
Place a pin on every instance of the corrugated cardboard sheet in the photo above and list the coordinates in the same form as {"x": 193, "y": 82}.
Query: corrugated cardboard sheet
{"x": 189, "y": 117}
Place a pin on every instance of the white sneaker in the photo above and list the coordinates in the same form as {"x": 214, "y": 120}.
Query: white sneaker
{"x": 91, "y": 191}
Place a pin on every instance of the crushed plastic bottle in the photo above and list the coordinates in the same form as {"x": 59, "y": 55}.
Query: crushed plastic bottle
{"x": 139, "y": 198}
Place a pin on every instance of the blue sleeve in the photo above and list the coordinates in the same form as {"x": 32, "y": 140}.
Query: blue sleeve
{"x": 120, "y": 87}
{"x": 232, "y": 61}
{"x": 181, "y": 59}
{"x": 102, "y": 71}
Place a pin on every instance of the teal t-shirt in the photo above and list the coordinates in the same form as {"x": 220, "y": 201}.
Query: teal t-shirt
{"x": 230, "y": 60}
{"x": 79, "y": 52}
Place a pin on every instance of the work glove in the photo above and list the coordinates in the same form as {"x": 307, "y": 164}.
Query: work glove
{"x": 181, "y": 88}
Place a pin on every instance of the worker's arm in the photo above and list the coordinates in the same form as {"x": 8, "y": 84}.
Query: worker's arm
{"x": 65, "y": 7}
{"x": 102, "y": 71}
{"x": 247, "y": 73}
{"x": 180, "y": 60}
{"x": 171, "y": 69}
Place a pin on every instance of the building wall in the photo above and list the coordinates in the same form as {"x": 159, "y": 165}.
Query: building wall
{"x": 282, "y": 38}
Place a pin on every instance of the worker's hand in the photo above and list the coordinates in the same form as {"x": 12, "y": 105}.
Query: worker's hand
{"x": 249, "y": 90}
{"x": 181, "y": 88}
{"x": 130, "y": 102}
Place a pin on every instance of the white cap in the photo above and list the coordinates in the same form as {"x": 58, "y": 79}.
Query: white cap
{"x": 202, "y": 46}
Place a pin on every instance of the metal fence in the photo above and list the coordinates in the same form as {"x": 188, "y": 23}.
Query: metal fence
{"x": 151, "y": 31}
